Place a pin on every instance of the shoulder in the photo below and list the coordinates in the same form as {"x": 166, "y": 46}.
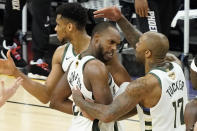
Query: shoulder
{"x": 95, "y": 67}
{"x": 58, "y": 54}
{"x": 146, "y": 83}
{"x": 60, "y": 49}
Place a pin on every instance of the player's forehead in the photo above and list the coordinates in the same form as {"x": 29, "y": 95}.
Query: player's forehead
{"x": 112, "y": 33}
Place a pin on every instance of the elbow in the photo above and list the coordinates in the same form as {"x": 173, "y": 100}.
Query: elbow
{"x": 45, "y": 101}
{"x": 106, "y": 120}
{"x": 52, "y": 104}
{"x": 107, "y": 117}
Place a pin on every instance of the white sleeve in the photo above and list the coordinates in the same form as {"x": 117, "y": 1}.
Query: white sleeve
{"x": 122, "y": 88}
{"x": 193, "y": 66}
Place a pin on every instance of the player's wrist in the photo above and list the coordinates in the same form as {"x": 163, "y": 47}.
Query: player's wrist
{"x": 120, "y": 19}
{"x": 15, "y": 72}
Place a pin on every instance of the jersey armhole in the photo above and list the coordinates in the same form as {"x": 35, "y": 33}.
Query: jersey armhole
{"x": 156, "y": 78}
{"x": 65, "y": 50}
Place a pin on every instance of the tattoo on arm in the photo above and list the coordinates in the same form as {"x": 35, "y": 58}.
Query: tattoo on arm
{"x": 129, "y": 114}
{"x": 123, "y": 103}
{"x": 131, "y": 34}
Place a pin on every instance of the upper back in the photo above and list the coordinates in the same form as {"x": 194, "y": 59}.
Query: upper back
{"x": 167, "y": 114}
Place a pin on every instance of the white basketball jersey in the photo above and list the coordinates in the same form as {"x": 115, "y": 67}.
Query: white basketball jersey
{"x": 75, "y": 78}
{"x": 68, "y": 56}
{"x": 167, "y": 114}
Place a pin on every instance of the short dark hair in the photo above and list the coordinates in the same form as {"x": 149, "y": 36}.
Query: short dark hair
{"x": 100, "y": 27}
{"x": 75, "y": 12}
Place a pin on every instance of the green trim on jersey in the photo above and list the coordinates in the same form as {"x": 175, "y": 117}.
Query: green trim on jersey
{"x": 162, "y": 68}
{"x": 87, "y": 62}
{"x": 74, "y": 52}
{"x": 65, "y": 50}
{"x": 157, "y": 77}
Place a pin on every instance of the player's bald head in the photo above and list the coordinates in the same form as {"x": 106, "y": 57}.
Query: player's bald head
{"x": 157, "y": 43}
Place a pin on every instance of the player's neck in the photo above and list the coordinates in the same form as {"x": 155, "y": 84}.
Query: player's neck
{"x": 80, "y": 41}
{"x": 150, "y": 64}
{"x": 89, "y": 51}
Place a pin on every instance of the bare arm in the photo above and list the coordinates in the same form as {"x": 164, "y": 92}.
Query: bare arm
{"x": 60, "y": 96}
{"x": 41, "y": 91}
{"x": 123, "y": 103}
{"x": 190, "y": 114}
{"x": 113, "y": 13}
{"x": 129, "y": 114}
{"x": 119, "y": 73}
{"x": 97, "y": 74}
{"x": 131, "y": 34}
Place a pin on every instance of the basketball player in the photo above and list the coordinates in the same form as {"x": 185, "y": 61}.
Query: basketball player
{"x": 190, "y": 115}
{"x": 5, "y": 94}
{"x": 90, "y": 74}
{"x": 71, "y": 21}
{"x": 160, "y": 96}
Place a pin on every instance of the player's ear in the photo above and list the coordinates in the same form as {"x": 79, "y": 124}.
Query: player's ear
{"x": 96, "y": 39}
{"x": 70, "y": 27}
{"x": 148, "y": 53}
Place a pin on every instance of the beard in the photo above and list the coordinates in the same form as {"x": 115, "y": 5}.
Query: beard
{"x": 100, "y": 54}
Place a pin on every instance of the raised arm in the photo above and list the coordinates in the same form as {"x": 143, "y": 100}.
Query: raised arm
{"x": 60, "y": 96}
{"x": 131, "y": 34}
{"x": 118, "y": 71}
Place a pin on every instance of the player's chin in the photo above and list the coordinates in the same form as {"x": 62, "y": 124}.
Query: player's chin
{"x": 107, "y": 58}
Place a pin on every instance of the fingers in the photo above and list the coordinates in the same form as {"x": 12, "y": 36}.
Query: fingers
{"x": 142, "y": 12}
{"x": 146, "y": 12}
{"x": 2, "y": 89}
{"x": 101, "y": 11}
{"x": 99, "y": 16}
{"x": 138, "y": 11}
{"x": 2, "y": 86}
{"x": 8, "y": 54}
{"x": 2, "y": 83}
{"x": 18, "y": 82}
